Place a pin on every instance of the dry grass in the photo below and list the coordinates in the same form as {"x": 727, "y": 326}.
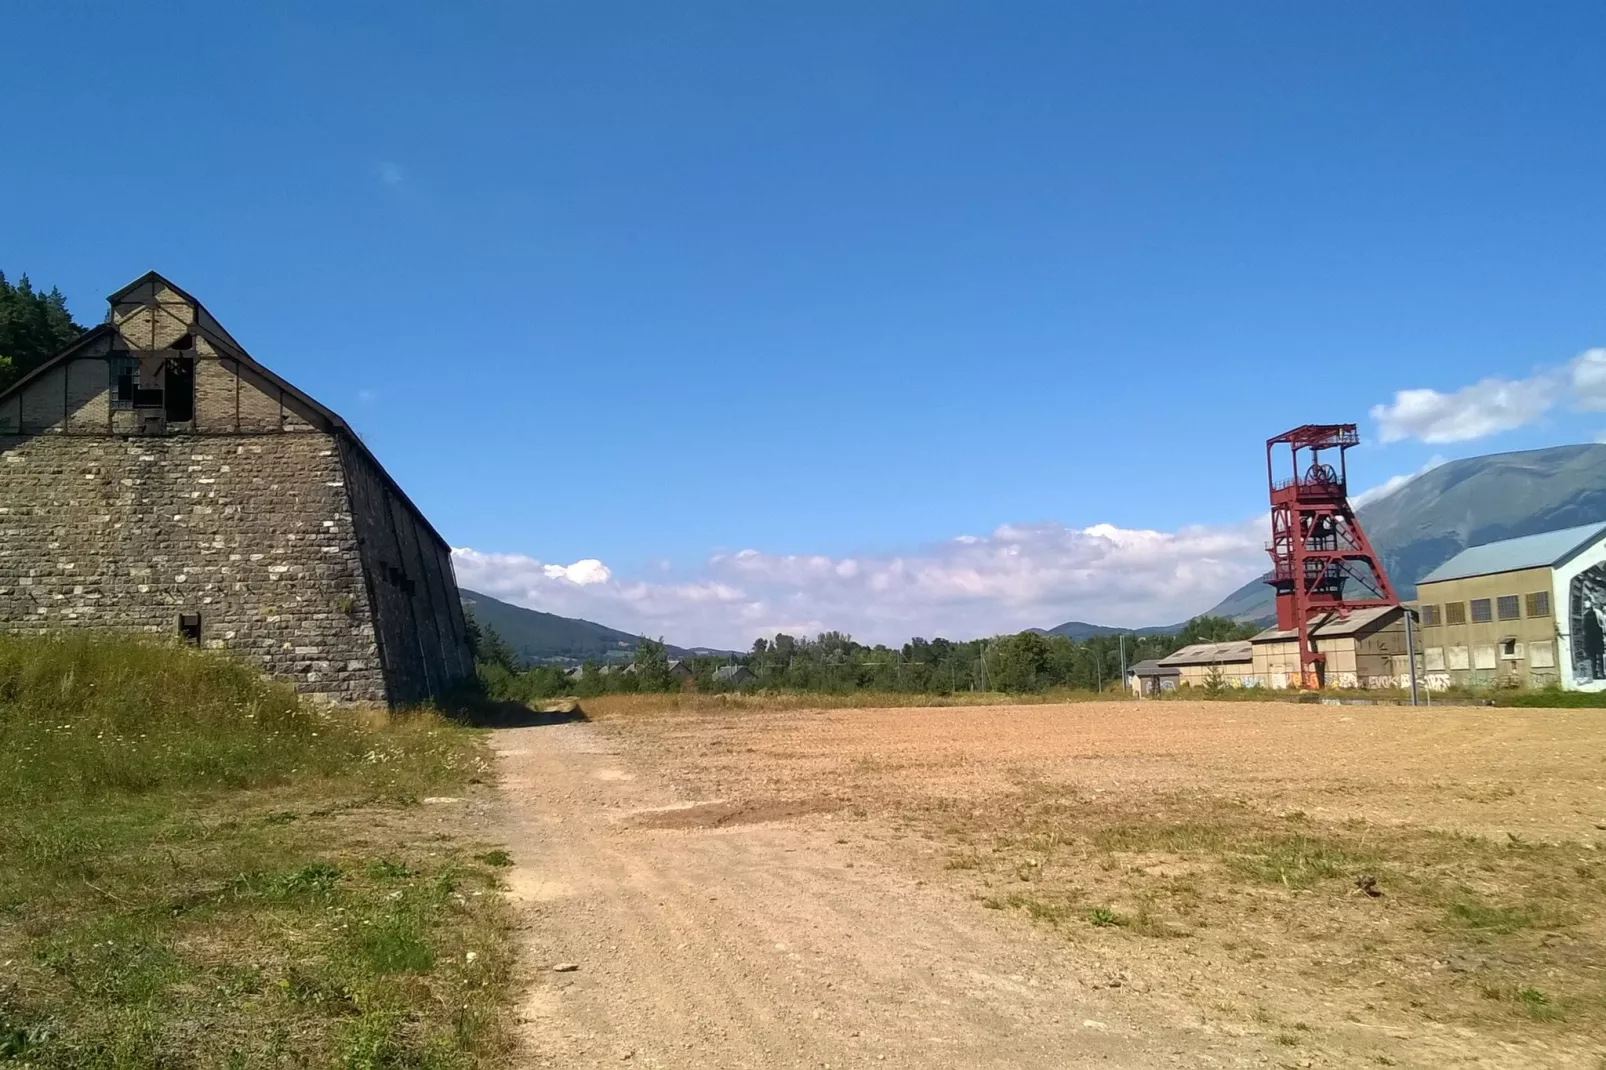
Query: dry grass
{"x": 1217, "y": 857}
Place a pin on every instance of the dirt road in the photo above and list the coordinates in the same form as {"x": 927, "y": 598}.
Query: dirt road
{"x": 708, "y": 935}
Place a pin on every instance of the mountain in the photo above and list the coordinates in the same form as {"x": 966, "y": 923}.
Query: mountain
{"x": 1079, "y": 630}
{"x": 537, "y": 636}
{"x": 1465, "y": 503}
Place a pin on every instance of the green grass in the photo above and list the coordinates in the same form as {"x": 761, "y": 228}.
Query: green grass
{"x": 202, "y": 871}
{"x": 1264, "y": 886}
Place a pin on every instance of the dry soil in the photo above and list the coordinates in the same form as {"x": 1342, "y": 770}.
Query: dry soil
{"x": 1103, "y": 884}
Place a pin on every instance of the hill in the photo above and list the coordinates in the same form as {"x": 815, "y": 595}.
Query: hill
{"x": 1465, "y": 503}
{"x": 1079, "y": 630}
{"x": 537, "y": 636}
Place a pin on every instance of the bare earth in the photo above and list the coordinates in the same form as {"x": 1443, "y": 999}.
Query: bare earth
{"x": 1102, "y": 884}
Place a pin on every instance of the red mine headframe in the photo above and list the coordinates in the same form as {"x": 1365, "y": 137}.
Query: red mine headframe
{"x": 1317, "y": 546}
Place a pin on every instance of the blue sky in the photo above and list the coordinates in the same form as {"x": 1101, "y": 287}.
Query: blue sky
{"x": 836, "y": 284}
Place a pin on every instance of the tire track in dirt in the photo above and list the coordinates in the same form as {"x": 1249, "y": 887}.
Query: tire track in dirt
{"x": 766, "y": 944}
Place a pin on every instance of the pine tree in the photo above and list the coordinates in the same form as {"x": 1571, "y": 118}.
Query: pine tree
{"x": 34, "y": 326}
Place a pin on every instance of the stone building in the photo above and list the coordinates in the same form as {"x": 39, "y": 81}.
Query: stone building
{"x": 155, "y": 478}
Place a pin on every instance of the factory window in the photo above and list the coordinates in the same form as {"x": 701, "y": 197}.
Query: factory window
{"x": 1430, "y": 616}
{"x": 1506, "y": 607}
{"x": 1433, "y": 659}
{"x": 1455, "y": 612}
{"x": 124, "y": 381}
{"x": 1481, "y": 611}
{"x": 1455, "y": 657}
{"x": 1483, "y": 657}
{"x": 1539, "y": 604}
{"x": 189, "y": 627}
{"x": 1510, "y": 650}
{"x": 1542, "y": 655}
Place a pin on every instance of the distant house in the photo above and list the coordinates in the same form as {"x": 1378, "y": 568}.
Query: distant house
{"x": 679, "y": 670}
{"x": 1150, "y": 678}
{"x": 733, "y": 675}
{"x": 1196, "y": 664}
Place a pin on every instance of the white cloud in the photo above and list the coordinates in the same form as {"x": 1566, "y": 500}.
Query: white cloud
{"x": 581, "y": 573}
{"x": 1020, "y": 576}
{"x": 1483, "y": 408}
{"x": 391, "y": 174}
{"x": 1589, "y": 380}
{"x": 1393, "y": 483}
{"x": 1490, "y": 406}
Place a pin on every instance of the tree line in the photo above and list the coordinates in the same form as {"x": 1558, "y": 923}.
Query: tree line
{"x": 833, "y": 662}
{"x": 34, "y": 326}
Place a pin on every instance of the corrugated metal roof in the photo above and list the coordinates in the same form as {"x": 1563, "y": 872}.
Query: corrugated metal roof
{"x": 1530, "y": 551}
{"x": 1330, "y": 626}
{"x": 1210, "y": 654}
{"x": 1152, "y": 667}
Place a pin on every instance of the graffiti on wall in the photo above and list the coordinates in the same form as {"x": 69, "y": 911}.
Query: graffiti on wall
{"x": 1586, "y": 604}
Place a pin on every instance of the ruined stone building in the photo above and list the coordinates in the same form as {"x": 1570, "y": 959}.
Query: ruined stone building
{"x": 155, "y": 478}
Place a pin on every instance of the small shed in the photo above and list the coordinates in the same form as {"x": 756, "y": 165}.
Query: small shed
{"x": 1149, "y": 677}
{"x": 733, "y": 675}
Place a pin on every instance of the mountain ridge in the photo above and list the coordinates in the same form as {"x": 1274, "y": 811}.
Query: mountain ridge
{"x": 1467, "y": 502}
{"x": 537, "y": 636}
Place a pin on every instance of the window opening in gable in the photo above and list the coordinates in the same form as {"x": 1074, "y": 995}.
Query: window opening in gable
{"x": 178, "y": 374}
{"x": 124, "y": 381}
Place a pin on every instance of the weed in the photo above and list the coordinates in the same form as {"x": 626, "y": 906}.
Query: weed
{"x": 1103, "y": 917}
{"x": 498, "y": 858}
{"x": 1470, "y": 914}
{"x": 383, "y": 869}
{"x": 1536, "y": 1003}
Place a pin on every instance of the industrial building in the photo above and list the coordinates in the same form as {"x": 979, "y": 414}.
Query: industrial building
{"x": 1196, "y": 665}
{"x": 1529, "y": 611}
{"x": 155, "y": 478}
{"x": 1364, "y": 649}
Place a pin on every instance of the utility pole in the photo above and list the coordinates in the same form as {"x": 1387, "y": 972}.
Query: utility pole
{"x": 1122, "y": 641}
{"x": 1410, "y": 650}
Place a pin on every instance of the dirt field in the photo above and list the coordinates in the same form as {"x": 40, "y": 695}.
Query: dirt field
{"x": 1161, "y": 884}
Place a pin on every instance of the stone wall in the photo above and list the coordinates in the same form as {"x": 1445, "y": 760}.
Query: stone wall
{"x": 422, "y": 637}
{"x": 254, "y": 532}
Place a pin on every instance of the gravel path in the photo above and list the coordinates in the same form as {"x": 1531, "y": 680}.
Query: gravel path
{"x": 706, "y": 935}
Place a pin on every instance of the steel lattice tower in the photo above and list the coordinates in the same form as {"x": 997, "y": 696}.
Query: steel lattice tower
{"x": 1317, "y": 546}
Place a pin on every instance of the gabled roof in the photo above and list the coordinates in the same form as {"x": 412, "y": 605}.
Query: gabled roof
{"x": 1210, "y": 654}
{"x": 1152, "y": 667}
{"x": 1331, "y": 626}
{"x": 1544, "y": 550}
{"x": 207, "y": 326}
